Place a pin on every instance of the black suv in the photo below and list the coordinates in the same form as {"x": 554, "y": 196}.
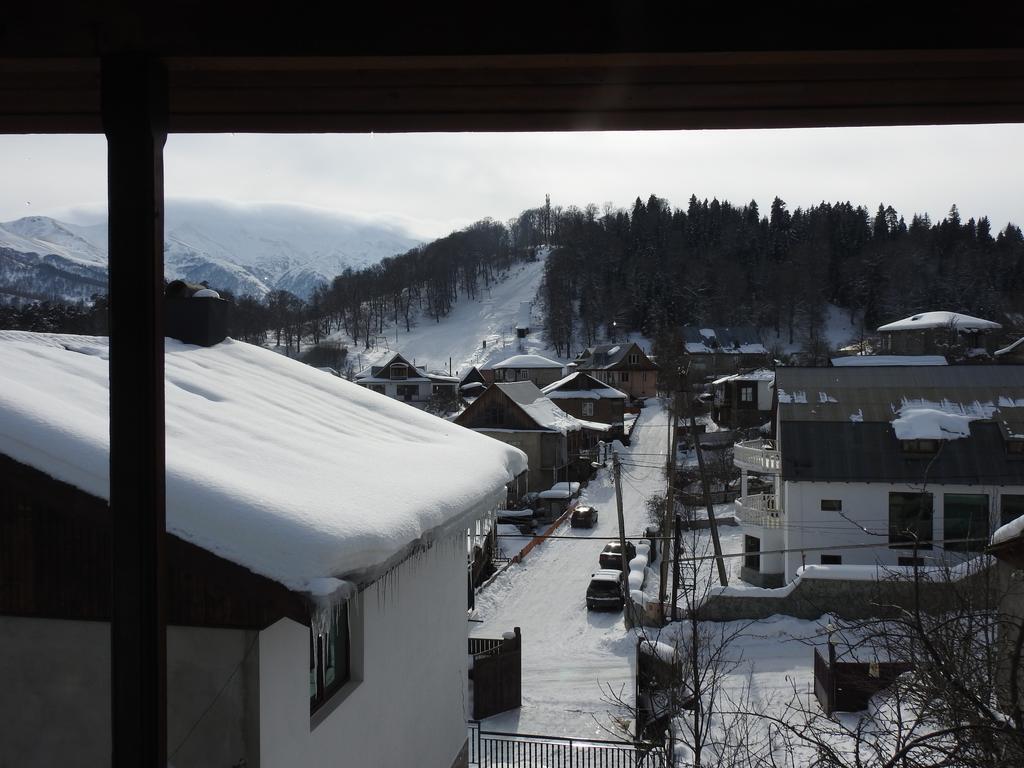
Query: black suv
{"x": 583, "y": 517}
{"x": 611, "y": 555}
{"x": 605, "y": 591}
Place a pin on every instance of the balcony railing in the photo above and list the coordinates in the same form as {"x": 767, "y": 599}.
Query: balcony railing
{"x": 757, "y": 456}
{"x": 760, "y": 509}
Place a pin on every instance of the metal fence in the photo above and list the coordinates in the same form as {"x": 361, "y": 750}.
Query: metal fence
{"x": 491, "y": 749}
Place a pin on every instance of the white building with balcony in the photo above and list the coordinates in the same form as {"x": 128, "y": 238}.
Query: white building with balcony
{"x": 882, "y": 465}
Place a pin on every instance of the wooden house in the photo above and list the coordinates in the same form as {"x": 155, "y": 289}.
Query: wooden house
{"x": 519, "y": 414}
{"x": 401, "y": 380}
{"x": 537, "y": 369}
{"x": 624, "y": 366}
{"x": 709, "y": 353}
{"x": 581, "y": 395}
{"x": 285, "y": 643}
{"x": 743, "y": 400}
{"x": 952, "y": 334}
{"x": 472, "y": 384}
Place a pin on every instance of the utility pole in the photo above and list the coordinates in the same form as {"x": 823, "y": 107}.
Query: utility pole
{"x": 722, "y": 577}
{"x": 675, "y": 568}
{"x": 666, "y": 520}
{"x": 627, "y": 601}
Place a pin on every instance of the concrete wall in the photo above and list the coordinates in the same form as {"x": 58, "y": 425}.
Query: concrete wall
{"x": 848, "y": 599}
{"x": 55, "y": 694}
{"x": 407, "y": 705}
{"x": 867, "y": 506}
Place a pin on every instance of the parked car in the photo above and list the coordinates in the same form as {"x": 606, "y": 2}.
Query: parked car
{"x": 605, "y": 590}
{"x": 583, "y": 517}
{"x": 611, "y": 555}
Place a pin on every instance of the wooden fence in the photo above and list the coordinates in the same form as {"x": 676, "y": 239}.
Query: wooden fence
{"x": 847, "y": 686}
{"x": 497, "y": 672}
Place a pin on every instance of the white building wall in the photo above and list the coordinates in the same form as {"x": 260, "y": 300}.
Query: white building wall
{"x": 867, "y": 507}
{"x": 409, "y": 655}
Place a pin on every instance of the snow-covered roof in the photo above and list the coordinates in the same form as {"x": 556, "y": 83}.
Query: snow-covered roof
{"x": 879, "y": 360}
{"x": 941, "y": 319}
{"x": 581, "y": 385}
{"x": 1009, "y": 531}
{"x": 741, "y": 340}
{"x": 272, "y": 465}
{"x": 762, "y": 374}
{"x": 1009, "y": 348}
{"x": 528, "y": 361}
{"x": 544, "y": 413}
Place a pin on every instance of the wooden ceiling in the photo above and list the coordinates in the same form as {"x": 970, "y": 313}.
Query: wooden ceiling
{"x": 262, "y": 67}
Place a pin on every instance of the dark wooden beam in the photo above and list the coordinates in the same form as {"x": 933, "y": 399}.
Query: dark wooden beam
{"x": 625, "y": 91}
{"x": 134, "y": 106}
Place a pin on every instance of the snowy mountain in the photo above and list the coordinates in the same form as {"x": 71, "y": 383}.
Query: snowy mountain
{"x": 247, "y": 249}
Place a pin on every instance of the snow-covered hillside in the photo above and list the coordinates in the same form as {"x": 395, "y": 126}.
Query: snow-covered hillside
{"x": 247, "y": 249}
{"x": 461, "y": 335}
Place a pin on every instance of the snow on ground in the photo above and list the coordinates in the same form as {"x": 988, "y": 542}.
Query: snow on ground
{"x": 570, "y": 654}
{"x": 838, "y": 330}
{"x": 460, "y": 335}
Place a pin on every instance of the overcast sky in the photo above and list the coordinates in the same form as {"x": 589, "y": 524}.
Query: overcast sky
{"x": 433, "y": 183}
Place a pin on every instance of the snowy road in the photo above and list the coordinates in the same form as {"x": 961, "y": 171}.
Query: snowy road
{"x": 572, "y": 655}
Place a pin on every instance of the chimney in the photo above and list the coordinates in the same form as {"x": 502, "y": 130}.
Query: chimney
{"x": 195, "y": 314}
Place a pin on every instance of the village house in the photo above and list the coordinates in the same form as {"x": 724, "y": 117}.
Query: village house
{"x": 938, "y": 333}
{"x": 624, "y": 366}
{"x": 401, "y": 380}
{"x": 743, "y": 400}
{"x": 302, "y": 584}
{"x": 519, "y": 414}
{"x": 472, "y": 385}
{"x": 534, "y": 368}
{"x": 590, "y": 400}
{"x": 900, "y": 457}
{"x": 709, "y": 353}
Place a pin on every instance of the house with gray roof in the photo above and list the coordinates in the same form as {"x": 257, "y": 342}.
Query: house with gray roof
{"x": 714, "y": 352}
{"x": 624, "y": 366}
{"x": 889, "y": 466}
{"x": 519, "y": 414}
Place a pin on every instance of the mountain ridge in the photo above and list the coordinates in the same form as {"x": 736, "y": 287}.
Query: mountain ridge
{"x": 246, "y": 249}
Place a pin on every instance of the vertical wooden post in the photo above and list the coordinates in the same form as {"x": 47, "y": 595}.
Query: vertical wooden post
{"x": 627, "y": 600}
{"x": 134, "y": 104}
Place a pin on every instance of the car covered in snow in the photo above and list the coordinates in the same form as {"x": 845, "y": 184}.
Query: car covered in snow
{"x": 583, "y": 517}
{"x": 605, "y": 590}
{"x": 611, "y": 555}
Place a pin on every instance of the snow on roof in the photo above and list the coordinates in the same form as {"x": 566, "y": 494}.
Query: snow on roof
{"x": 740, "y": 340}
{"x": 1009, "y": 531}
{"x": 599, "y": 389}
{"x": 270, "y": 464}
{"x": 932, "y": 424}
{"x": 941, "y": 319}
{"x": 528, "y": 361}
{"x": 762, "y": 374}
{"x": 539, "y": 408}
{"x": 879, "y": 360}
{"x": 1010, "y": 348}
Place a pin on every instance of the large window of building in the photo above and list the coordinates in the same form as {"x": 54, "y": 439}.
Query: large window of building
{"x": 910, "y": 520}
{"x": 965, "y": 516}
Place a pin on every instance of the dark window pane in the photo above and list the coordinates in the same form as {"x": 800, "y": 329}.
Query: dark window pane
{"x": 831, "y": 560}
{"x": 831, "y": 505}
{"x": 910, "y": 520}
{"x": 1011, "y": 507}
{"x": 965, "y": 516}
{"x": 752, "y": 547}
